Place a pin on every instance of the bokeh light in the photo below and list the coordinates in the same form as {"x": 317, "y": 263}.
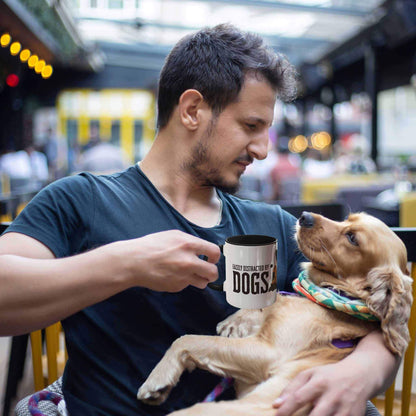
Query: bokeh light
{"x": 33, "y": 60}
{"x": 5, "y": 39}
{"x": 320, "y": 140}
{"x": 15, "y": 48}
{"x": 47, "y": 71}
{"x": 25, "y": 55}
{"x": 12, "y": 80}
{"x": 298, "y": 144}
{"x": 39, "y": 66}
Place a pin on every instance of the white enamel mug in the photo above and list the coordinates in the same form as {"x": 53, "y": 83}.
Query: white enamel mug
{"x": 250, "y": 271}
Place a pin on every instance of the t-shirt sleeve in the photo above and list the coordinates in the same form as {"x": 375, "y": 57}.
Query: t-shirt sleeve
{"x": 58, "y": 215}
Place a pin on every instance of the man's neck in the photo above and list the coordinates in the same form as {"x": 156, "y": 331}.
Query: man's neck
{"x": 197, "y": 203}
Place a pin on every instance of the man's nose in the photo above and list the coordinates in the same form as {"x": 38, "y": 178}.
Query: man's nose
{"x": 259, "y": 146}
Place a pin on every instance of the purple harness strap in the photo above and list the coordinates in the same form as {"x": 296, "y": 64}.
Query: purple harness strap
{"x": 223, "y": 385}
{"x": 347, "y": 343}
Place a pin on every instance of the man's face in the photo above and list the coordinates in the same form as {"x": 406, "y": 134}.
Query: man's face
{"x": 239, "y": 134}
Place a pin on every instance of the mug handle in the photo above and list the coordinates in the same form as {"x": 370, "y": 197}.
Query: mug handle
{"x": 219, "y": 287}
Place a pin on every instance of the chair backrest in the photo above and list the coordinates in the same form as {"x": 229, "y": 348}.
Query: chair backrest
{"x": 408, "y": 236}
{"x": 3, "y": 226}
{"x": 48, "y": 355}
{"x": 353, "y": 197}
{"x": 333, "y": 210}
{"x": 408, "y": 210}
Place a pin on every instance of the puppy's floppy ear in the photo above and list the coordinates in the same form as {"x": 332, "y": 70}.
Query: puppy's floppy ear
{"x": 390, "y": 300}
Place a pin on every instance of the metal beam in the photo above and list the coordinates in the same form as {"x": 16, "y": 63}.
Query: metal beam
{"x": 371, "y": 87}
{"x": 273, "y": 40}
{"x": 19, "y": 22}
{"x": 292, "y": 6}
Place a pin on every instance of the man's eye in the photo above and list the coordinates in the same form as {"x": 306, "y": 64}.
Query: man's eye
{"x": 251, "y": 126}
{"x": 352, "y": 238}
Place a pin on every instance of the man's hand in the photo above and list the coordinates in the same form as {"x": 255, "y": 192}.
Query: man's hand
{"x": 344, "y": 387}
{"x": 169, "y": 261}
{"x": 331, "y": 390}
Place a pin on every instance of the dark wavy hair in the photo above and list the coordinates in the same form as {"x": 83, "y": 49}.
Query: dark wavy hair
{"x": 215, "y": 61}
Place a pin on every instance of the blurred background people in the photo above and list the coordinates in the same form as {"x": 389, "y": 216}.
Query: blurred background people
{"x": 286, "y": 173}
{"x": 26, "y": 169}
{"x": 101, "y": 157}
{"x": 256, "y": 181}
{"x": 50, "y": 149}
{"x": 352, "y": 156}
{"x": 317, "y": 164}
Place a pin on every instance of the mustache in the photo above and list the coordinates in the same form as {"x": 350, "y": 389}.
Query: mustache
{"x": 245, "y": 158}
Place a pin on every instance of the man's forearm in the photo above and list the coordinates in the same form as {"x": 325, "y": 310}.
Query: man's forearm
{"x": 37, "y": 292}
{"x": 382, "y": 364}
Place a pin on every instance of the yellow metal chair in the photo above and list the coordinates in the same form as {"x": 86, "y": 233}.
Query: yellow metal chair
{"x": 48, "y": 355}
{"x": 407, "y": 210}
{"x": 399, "y": 404}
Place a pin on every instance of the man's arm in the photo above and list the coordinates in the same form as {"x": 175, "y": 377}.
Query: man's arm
{"x": 38, "y": 289}
{"x": 343, "y": 387}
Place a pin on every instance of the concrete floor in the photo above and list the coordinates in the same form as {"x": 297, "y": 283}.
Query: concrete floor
{"x": 26, "y": 385}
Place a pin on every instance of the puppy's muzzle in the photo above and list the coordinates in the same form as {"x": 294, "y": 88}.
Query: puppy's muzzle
{"x": 306, "y": 220}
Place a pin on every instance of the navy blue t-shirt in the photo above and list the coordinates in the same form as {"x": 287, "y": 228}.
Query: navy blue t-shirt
{"x": 114, "y": 345}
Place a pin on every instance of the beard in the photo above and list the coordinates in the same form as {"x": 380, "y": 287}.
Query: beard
{"x": 202, "y": 167}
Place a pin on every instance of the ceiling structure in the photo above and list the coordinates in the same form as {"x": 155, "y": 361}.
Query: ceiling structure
{"x": 123, "y": 43}
{"x": 48, "y": 31}
{"x": 320, "y": 37}
{"x": 303, "y": 30}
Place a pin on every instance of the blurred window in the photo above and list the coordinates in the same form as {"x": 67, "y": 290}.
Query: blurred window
{"x": 138, "y": 133}
{"x": 397, "y": 121}
{"x": 115, "y": 4}
{"x": 115, "y": 133}
{"x": 94, "y": 125}
{"x": 72, "y": 132}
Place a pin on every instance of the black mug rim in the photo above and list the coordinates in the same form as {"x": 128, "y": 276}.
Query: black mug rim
{"x": 250, "y": 240}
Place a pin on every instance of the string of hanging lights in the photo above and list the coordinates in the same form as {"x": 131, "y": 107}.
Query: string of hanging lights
{"x": 32, "y": 60}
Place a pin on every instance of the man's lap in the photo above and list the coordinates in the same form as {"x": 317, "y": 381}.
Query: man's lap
{"x": 49, "y": 409}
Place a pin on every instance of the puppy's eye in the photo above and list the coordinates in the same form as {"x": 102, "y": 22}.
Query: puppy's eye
{"x": 352, "y": 238}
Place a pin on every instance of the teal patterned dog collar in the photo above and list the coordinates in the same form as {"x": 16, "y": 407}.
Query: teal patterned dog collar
{"x": 329, "y": 298}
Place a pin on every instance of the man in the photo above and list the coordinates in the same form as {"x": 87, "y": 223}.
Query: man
{"x": 105, "y": 254}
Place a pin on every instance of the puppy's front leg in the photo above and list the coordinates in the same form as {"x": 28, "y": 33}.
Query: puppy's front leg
{"x": 241, "y": 324}
{"x": 246, "y": 359}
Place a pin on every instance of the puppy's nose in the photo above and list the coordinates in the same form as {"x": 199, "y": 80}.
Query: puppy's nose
{"x": 306, "y": 220}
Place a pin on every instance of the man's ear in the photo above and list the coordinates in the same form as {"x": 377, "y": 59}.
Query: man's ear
{"x": 191, "y": 105}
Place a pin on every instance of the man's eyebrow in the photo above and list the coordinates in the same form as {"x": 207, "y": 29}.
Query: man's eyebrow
{"x": 258, "y": 120}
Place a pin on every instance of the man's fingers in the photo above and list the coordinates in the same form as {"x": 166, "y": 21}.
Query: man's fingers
{"x": 206, "y": 271}
{"x": 208, "y": 252}
{"x": 296, "y": 395}
{"x": 199, "y": 282}
{"x": 299, "y": 381}
{"x": 324, "y": 407}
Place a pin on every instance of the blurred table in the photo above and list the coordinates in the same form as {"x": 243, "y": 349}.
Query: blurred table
{"x": 390, "y": 215}
{"x": 326, "y": 190}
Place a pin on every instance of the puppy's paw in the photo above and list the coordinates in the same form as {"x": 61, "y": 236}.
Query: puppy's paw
{"x": 241, "y": 324}
{"x": 153, "y": 394}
